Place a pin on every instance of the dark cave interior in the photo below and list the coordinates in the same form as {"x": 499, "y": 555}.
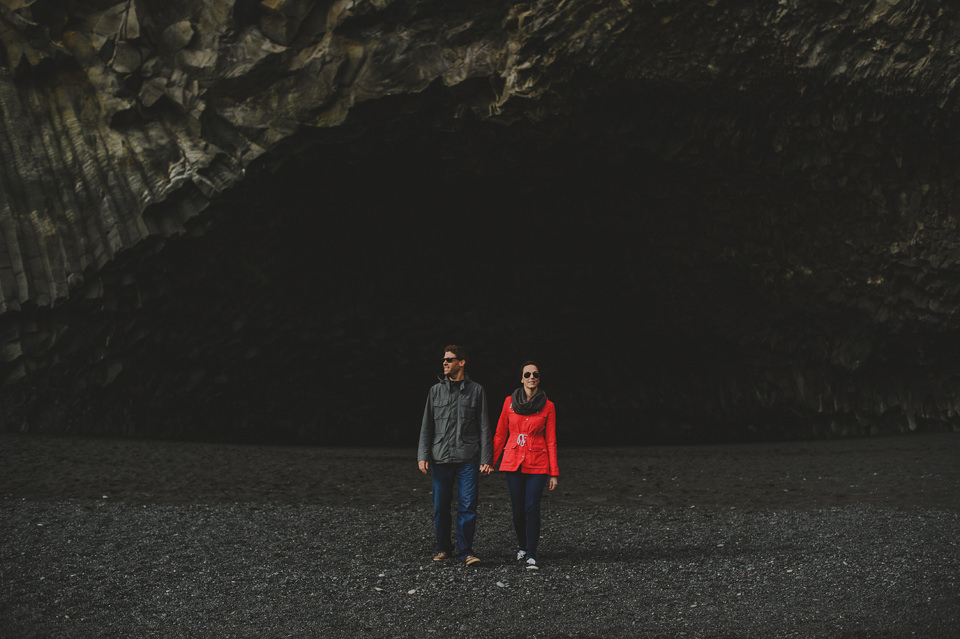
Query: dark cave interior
{"x": 679, "y": 275}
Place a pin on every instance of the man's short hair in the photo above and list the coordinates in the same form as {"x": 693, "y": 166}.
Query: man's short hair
{"x": 457, "y": 350}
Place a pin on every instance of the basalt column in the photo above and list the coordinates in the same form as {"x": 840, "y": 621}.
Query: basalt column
{"x": 259, "y": 221}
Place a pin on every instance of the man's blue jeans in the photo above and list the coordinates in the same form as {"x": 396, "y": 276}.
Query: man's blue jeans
{"x": 466, "y": 476}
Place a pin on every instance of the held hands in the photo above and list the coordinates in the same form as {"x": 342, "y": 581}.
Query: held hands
{"x": 485, "y": 469}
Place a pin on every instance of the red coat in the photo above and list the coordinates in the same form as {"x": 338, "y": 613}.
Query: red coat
{"x": 528, "y": 442}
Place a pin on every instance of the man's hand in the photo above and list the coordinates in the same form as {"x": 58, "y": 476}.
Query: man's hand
{"x": 424, "y": 466}
{"x": 554, "y": 481}
{"x": 486, "y": 469}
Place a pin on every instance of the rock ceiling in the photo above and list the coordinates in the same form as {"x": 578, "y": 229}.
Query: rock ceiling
{"x": 773, "y": 182}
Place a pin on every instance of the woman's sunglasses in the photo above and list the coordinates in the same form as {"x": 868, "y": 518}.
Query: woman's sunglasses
{"x": 535, "y": 374}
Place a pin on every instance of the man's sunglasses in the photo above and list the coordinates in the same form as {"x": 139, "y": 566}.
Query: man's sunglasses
{"x": 448, "y": 360}
{"x": 535, "y": 374}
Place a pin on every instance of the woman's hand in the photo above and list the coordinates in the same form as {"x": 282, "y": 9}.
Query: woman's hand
{"x": 554, "y": 481}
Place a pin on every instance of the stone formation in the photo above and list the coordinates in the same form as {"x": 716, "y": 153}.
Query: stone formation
{"x": 261, "y": 221}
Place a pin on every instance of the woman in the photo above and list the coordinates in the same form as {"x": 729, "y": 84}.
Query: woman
{"x": 527, "y": 437}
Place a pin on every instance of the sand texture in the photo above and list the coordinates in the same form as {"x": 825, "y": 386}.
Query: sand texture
{"x": 111, "y": 538}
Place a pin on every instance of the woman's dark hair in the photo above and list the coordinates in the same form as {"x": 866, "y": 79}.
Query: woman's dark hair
{"x": 529, "y": 362}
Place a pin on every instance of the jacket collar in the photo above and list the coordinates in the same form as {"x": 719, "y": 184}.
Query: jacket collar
{"x": 451, "y": 385}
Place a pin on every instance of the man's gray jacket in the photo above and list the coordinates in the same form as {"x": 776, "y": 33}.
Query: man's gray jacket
{"x": 456, "y": 425}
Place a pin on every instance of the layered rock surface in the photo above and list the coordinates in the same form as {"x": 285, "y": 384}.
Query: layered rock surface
{"x": 721, "y": 219}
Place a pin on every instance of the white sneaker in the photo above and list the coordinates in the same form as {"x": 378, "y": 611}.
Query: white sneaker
{"x": 532, "y": 564}
{"x": 521, "y": 555}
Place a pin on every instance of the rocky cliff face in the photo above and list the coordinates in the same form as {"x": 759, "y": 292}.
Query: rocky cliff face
{"x": 262, "y": 220}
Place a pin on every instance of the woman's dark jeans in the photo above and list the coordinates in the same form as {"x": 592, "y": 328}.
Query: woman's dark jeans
{"x": 525, "y": 493}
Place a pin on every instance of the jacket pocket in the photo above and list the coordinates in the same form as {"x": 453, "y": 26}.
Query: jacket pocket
{"x": 443, "y": 409}
{"x": 444, "y": 417}
{"x": 470, "y": 447}
{"x": 471, "y": 410}
{"x": 537, "y": 457}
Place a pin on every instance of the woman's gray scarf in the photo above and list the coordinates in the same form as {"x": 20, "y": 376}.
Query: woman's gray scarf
{"x": 523, "y": 406}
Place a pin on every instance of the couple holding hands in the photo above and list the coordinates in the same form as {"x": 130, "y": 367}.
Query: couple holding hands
{"x": 456, "y": 446}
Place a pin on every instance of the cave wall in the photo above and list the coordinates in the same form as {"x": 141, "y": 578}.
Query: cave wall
{"x": 261, "y": 221}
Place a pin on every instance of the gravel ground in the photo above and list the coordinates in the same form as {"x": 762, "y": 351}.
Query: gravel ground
{"x": 106, "y": 538}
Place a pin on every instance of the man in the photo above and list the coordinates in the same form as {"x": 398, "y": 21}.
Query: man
{"x": 456, "y": 443}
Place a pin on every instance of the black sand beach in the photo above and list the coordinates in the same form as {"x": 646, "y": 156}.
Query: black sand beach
{"x": 109, "y": 538}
